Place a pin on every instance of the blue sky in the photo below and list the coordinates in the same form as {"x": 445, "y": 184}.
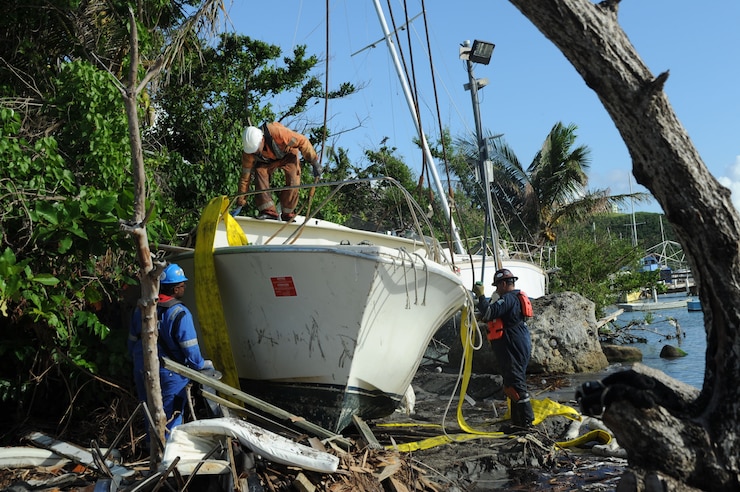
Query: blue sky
{"x": 531, "y": 84}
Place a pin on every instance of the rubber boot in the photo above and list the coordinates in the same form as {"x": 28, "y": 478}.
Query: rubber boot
{"x": 524, "y": 414}
{"x": 514, "y": 412}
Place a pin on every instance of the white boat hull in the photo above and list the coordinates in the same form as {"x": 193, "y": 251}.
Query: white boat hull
{"x": 532, "y": 278}
{"x": 329, "y": 330}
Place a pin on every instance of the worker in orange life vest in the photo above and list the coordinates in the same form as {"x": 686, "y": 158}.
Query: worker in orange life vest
{"x": 512, "y": 346}
{"x": 265, "y": 149}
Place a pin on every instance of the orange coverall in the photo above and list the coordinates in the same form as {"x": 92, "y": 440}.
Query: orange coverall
{"x": 263, "y": 164}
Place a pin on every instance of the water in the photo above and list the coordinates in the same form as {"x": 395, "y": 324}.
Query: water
{"x": 689, "y": 369}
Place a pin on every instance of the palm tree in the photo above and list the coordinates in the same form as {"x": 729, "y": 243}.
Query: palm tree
{"x": 531, "y": 203}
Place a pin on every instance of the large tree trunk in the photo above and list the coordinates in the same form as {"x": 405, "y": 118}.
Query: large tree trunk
{"x": 667, "y": 434}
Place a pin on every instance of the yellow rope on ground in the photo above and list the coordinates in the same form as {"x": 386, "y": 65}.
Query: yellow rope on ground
{"x": 542, "y": 409}
{"x": 597, "y": 435}
{"x": 207, "y": 296}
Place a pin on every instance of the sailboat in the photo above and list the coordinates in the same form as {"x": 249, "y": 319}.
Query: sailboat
{"x": 322, "y": 320}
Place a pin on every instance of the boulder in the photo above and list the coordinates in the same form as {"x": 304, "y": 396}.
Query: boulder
{"x": 621, "y": 353}
{"x": 565, "y": 338}
{"x": 671, "y": 352}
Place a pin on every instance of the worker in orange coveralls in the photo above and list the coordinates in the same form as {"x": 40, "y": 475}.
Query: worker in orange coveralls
{"x": 271, "y": 147}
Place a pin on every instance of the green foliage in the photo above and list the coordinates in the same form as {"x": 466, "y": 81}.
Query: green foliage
{"x": 64, "y": 257}
{"x": 533, "y": 202}
{"x": 601, "y": 270}
{"x": 652, "y": 228}
{"x": 94, "y": 138}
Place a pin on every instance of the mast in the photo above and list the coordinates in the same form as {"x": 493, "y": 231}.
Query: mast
{"x": 412, "y": 108}
{"x": 634, "y": 225}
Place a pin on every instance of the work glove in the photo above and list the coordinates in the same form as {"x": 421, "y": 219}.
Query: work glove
{"x": 316, "y": 168}
{"x": 479, "y": 290}
{"x": 209, "y": 370}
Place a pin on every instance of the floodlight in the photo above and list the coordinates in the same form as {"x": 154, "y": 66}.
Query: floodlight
{"x": 481, "y": 52}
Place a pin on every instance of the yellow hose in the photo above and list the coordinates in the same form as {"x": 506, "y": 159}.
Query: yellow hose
{"x": 542, "y": 409}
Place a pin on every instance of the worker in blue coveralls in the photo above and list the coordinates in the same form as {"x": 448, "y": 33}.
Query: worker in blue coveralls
{"x": 511, "y": 342}
{"x": 177, "y": 341}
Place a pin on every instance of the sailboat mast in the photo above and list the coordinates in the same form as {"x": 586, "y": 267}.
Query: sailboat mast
{"x": 634, "y": 224}
{"x": 412, "y": 108}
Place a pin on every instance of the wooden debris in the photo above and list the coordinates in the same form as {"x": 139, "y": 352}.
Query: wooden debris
{"x": 74, "y": 453}
{"x": 398, "y": 486}
{"x": 316, "y": 443}
{"x": 367, "y": 434}
{"x": 389, "y": 470}
{"x": 303, "y": 484}
{"x": 608, "y": 319}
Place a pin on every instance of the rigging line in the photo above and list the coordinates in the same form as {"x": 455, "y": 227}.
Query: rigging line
{"x": 413, "y": 90}
{"x": 320, "y": 157}
{"x": 413, "y": 74}
{"x": 425, "y": 163}
{"x": 463, "y": 119}
{"x": 375, "y": 44}
{"x": 326, "y": 88}
{"x": 436, "y": 97}
{"x": 295, "y": 32}
{"x": 439, "y": 122}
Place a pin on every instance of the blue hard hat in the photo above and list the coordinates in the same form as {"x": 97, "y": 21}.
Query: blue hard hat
{"x": 173, "y": 274}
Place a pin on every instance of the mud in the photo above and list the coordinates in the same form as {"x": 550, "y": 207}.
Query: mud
{"x": 521, "y": 461}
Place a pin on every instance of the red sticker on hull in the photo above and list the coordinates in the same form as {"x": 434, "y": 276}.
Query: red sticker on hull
{"x": 283, "y": 286}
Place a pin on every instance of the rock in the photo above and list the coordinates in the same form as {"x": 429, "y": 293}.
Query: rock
{"x": 671, "y": 352}
{"x": 621, "y": 353}
{"x": 565, "y": 339}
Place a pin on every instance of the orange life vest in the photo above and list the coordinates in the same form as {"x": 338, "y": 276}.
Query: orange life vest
{"x": 496, "y": 326}
{"x": 495, "y": 329}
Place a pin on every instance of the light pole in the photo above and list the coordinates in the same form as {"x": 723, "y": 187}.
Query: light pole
{"x": 481, "y": 52}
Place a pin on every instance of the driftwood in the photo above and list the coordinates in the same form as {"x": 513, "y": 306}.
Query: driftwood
{"x": 674, "y": 440}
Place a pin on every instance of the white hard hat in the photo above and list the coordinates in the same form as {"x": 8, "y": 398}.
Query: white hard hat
{"x": 252, "y": 139}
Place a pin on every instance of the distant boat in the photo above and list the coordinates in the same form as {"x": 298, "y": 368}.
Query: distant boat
{"x": 693, "y": 305}
{"x": 652, "y": 305}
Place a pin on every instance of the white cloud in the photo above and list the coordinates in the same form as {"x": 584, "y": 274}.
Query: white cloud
{"x": 733, "y": 181}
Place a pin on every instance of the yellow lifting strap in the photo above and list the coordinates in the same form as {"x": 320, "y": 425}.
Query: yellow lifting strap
{"x": 207, "y": 296}
{"x": 542, "y": 409}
